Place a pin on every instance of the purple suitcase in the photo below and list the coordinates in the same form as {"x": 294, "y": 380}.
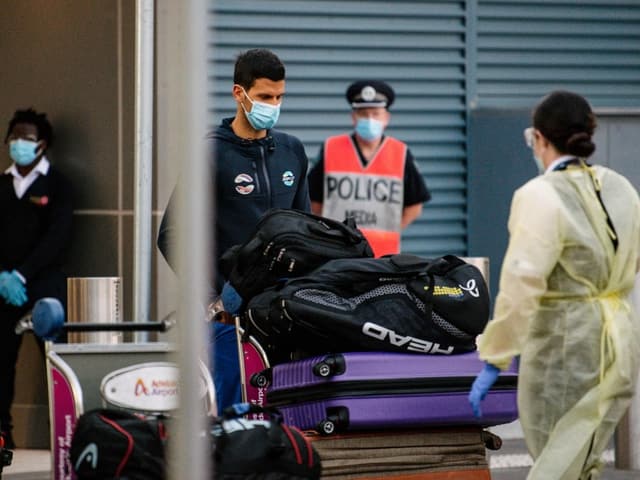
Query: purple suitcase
{"x": 380, "y": 390}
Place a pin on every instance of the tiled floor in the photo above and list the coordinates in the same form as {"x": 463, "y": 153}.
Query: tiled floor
{"x": 29, "y": 465}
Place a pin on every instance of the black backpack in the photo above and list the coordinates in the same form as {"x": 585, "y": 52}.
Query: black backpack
{"x": 398, "y": 303}
{"x": 286, "y": 244}
{"x": 110, "y": 444}
{"x": 261, "y": 449}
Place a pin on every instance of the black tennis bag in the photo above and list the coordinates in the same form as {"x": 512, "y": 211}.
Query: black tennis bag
{"x": 286, "y": 244}
{"x": 398, "y": 303}
{"x": 261, "y": 449}
{"x": 110, "y": 444}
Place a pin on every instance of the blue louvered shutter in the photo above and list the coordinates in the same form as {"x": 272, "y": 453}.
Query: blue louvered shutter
{"x": 528, "y": 48}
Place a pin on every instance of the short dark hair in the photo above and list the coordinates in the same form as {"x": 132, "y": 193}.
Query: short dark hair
{"x": 45, "y": 131}
{"x": 257, "y": 63}
{"x": 567, "y": 121}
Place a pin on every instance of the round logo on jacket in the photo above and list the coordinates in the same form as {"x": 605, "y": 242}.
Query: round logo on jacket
{"x": 244, "y": 184}
{"x": 288, "y": 178}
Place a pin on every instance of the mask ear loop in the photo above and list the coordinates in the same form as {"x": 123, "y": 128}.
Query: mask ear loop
{"x": 40, "y": 149}
{"x": 598, "y": 187}
{"x": 248, "y": 98}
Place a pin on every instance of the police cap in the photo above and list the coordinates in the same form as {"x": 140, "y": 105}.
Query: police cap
{"x": 370, "y": 93}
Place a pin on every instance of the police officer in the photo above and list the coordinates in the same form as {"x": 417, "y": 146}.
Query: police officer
{"x": 367, "y": 175}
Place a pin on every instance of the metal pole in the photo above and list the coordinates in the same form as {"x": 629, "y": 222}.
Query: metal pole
{"x": 634, "y": 432}
{"x": 627, "y": 439}
{"x": 186, "y": 98}
{"x": 143, "y": 159}
{"x": 633, "y": 416}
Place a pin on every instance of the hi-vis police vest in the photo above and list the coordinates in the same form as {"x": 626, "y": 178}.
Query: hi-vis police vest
{"x": 373, "y": 194}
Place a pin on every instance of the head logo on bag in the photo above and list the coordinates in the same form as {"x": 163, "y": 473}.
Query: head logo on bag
{"x": 411, "y": 344}
{"x": 88, "y": 455}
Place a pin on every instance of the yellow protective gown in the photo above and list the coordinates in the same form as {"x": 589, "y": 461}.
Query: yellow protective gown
{"x": 563, "y": 307}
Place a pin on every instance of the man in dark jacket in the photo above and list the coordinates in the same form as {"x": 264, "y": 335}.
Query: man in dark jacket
{"x": 254, "y": 168}
{"x": 35, "y": 220}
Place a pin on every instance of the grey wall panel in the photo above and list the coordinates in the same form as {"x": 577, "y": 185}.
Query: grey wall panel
{"x": 95, "y": 247}
{"x": 417, "y": 46}
{"x": 617, "y": 145}
{"x": 499, "y": 163}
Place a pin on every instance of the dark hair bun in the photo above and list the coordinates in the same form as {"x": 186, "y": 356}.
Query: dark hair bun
{"x": 580, "y": 145}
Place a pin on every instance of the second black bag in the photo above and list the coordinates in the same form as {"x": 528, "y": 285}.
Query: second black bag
{"x": 287, "y": 244}
{"x": 399, "y": 303}
{"x": 261, "y": 449}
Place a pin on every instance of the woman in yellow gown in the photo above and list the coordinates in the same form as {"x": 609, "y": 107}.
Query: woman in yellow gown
{"x": 562, "y": 306}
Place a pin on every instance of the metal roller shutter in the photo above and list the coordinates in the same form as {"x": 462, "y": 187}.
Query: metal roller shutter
{"x": 417, "y": 46}
{"x": 528, "y": 48}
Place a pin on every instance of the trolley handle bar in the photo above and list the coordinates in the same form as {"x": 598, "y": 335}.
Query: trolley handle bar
{"x": 118, "y": 327}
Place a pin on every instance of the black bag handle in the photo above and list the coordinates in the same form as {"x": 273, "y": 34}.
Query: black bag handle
{"x": 445, "y": 264}
{"x": 439, "y": 266}
{"x": 406, "y": 261}
{"x": 350, "y": 222}
{"x": 331, "y": 228}
{"x": 318, "y": 230}
{"x": 240, "y": 409}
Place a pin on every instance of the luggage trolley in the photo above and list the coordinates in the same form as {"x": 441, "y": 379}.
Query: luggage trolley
{"x": 447, "y": 429}
{"x": 137, "y": 377}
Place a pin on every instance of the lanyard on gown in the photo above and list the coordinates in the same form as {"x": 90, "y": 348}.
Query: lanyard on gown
{"x": 597, "y": 187}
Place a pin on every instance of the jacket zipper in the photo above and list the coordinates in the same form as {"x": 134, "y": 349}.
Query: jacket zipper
{"x": 265, "y": 173}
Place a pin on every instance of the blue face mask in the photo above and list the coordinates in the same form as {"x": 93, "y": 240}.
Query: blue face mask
{"x": 369, "y": 128}
{"x": 262, "y": 115}
{"x": 23, "y": 152}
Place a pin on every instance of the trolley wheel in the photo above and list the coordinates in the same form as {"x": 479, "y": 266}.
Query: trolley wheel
{"x": 491, "y": 440}
{"x": 322, "y": 369}
{"x": 259, "y": 380}
{"x": 336, "y": 420}
{"x": 330, "y": 366}
{"x": 326, "y": 427}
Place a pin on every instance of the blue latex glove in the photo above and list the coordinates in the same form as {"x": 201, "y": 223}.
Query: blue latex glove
{"x": 12, "y": 289}
{"x": 231, "y": 299}
{"x": 481, "y": 385}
